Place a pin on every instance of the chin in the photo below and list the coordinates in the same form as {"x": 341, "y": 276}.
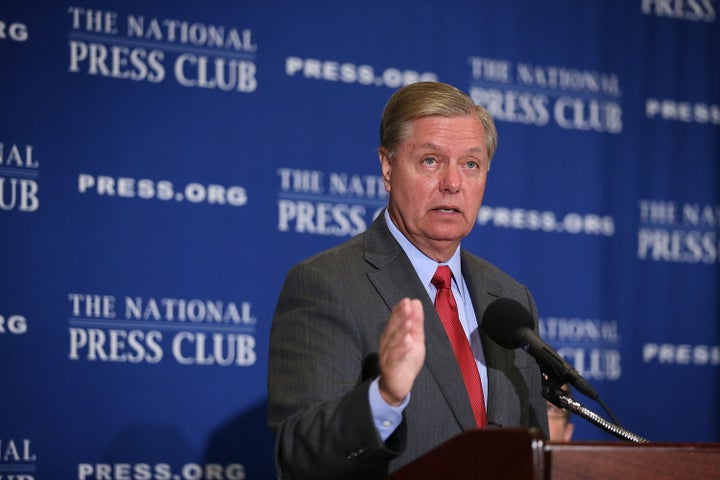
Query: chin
{"x": 448, "y": 236}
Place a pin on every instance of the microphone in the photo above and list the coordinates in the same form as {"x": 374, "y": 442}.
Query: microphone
{"x": 510, "y": 324}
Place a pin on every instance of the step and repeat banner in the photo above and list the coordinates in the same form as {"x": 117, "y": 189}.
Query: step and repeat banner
{"x": 163, "y": 164}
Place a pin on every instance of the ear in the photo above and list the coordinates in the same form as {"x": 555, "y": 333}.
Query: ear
{"x": 386, "y": 161}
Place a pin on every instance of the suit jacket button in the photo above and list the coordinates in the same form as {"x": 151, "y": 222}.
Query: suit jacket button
{"x": 356, "y": 453}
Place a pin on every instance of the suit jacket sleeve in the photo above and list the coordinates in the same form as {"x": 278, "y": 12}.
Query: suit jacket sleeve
{"x": 317, "y": 391}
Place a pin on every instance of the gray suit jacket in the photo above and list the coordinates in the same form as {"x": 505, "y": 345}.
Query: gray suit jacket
{"x": 323, "y": 354}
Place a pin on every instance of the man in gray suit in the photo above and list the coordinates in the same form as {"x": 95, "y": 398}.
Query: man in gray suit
{"x": 362, "y": 376}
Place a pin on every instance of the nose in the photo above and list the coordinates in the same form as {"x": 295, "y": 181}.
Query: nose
{"x": 451, "y": 179}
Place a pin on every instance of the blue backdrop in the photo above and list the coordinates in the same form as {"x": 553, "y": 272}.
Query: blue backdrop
{"x": 163, "y": 164}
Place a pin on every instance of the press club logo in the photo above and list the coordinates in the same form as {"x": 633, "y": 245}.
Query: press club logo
{"x": 19, "y": 172}
{"x": 134, "y": 330}
{"x": 540, "y": 95}
{"x": 17, "y": 459}
{"x": 328, "y": 203}
{"x": 144, "y": 49}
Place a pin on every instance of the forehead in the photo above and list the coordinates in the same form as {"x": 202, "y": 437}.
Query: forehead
{"x": 457, "y": 133}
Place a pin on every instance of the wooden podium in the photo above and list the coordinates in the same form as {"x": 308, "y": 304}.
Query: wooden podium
{"x": 523, "y": 454}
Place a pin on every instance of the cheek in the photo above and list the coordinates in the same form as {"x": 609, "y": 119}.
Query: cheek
{"x": 410, "y": 185}
{"x": 479, "y": 198}
{"x": 477, "y": 192}
{"x": 479, "y": 189}
{"x": 420, "y": 193}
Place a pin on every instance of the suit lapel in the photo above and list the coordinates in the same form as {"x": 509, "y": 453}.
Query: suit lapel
{"x": 497, "y": 359}
{"x": 394, "y": 279}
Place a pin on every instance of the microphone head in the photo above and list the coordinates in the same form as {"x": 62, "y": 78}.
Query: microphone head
{"x": 504, "y": 319}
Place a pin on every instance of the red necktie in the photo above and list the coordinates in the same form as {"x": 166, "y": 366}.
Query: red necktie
{"x": 448, "y": 311}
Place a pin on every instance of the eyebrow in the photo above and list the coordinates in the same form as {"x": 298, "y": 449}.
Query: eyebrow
{"x": 433, "y": 146}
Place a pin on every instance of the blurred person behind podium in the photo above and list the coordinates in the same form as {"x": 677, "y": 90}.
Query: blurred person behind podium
{"x": 362, "y": 376}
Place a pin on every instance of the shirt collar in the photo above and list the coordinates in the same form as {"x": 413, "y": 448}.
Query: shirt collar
{"x": 424, "y": 265}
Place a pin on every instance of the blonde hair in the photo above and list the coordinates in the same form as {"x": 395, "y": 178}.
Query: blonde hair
{"x": 425, "y": 99}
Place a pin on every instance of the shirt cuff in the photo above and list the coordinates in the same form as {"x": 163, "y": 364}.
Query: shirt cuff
{"x": 386, "y": 417}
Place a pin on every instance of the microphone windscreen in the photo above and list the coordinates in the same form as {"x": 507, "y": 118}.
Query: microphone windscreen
{"x": 504, "y": 318}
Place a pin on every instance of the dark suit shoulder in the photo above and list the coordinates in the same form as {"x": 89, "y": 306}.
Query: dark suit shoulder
{"x": 351, "y": 248}
{"x": 372, "y": 249}
{"x": 498, "y": 283}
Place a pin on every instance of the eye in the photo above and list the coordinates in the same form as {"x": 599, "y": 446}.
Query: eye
{"x": 429, "y": 161}
{"x": 476, "y": 165}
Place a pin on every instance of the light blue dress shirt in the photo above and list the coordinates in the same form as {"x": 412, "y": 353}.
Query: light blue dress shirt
{"x": 387, "y": 418}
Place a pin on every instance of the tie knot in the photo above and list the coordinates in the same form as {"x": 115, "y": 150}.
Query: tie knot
{"x": 442, "y": 277}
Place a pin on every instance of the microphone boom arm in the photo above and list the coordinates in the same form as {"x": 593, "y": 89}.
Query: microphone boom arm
{"x": 562, "y": 399}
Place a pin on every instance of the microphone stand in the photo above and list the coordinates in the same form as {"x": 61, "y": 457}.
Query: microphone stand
{"x": 553, "y": 392}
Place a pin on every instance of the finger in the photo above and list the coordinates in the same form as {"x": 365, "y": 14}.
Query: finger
{"x": 416, "y": 319}
{"x": 399, "y": 316}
